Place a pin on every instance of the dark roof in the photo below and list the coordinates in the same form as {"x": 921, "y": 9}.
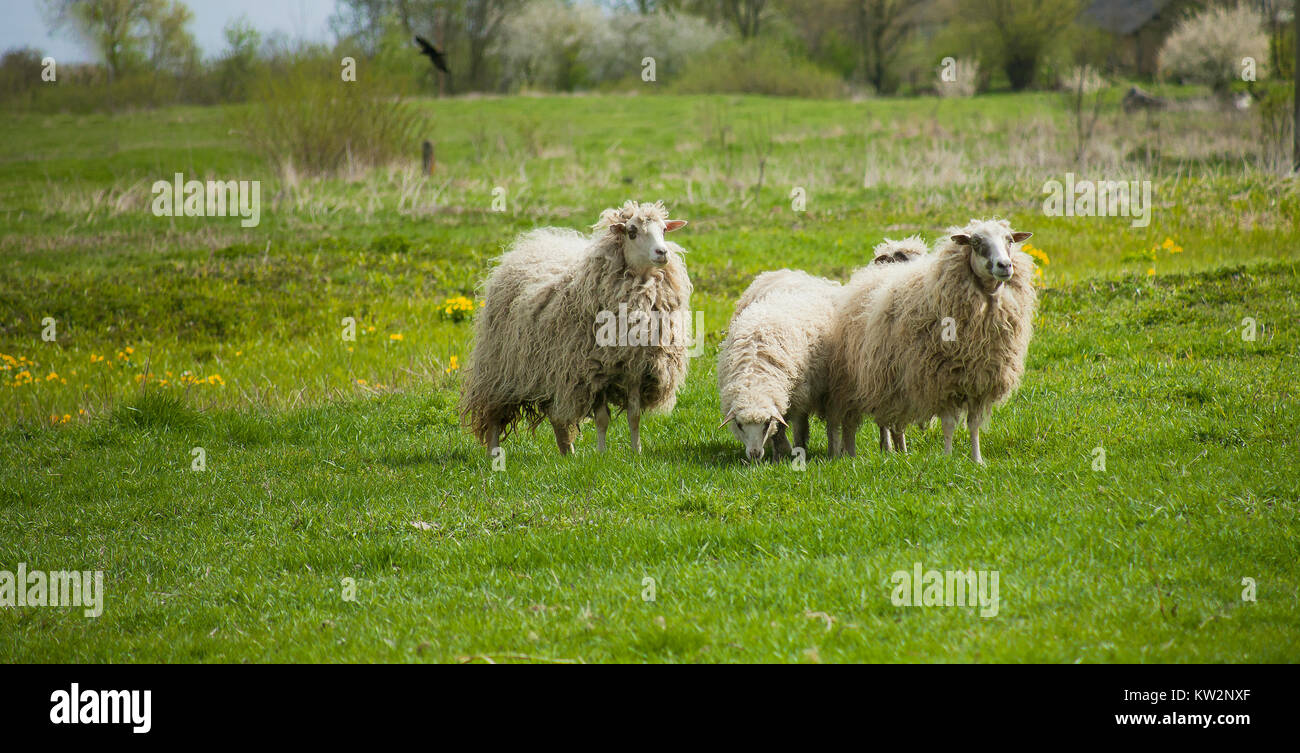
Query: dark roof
{"x": 1124, "y": 16}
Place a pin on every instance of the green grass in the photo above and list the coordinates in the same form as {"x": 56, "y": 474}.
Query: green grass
{"x": 322, "y": 455}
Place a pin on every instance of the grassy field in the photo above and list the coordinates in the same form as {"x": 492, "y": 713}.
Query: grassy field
{"x": 329, "y": 460}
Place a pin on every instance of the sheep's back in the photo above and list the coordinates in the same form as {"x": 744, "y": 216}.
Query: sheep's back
{"x": 774, "y": 348}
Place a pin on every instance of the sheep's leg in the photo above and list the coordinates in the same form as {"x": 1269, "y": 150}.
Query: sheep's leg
{"x": 494, "y": 436}
{"x": 634, "y": 415}
{"x": 850, "y": 429}
{"x": 780, "y": 445}
{"x": 949, "y": 426}
{"x": 975, "y": 418}
{"x": 900, "y": 441}
{"x": 885, "y": 445}
{"x": 800, "y": 424}
{"x": 833, "y": 448}
{"x": 602, "y": 424}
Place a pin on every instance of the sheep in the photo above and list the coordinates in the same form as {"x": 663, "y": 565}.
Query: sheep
{"x": 943, "y": 334}
{"x": 547, "y": 341}
{"x": 895, "y": 252}
{"x": 771, "y": 367}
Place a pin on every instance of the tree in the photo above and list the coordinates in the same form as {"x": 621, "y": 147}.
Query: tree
{"x": 463, "y": 29}
{"x": 482, "y": 23}
{"x": 128, "y": 32}
{"x": 1016, "y": 34}
{"x": 170, "y": 46}
{"x": 880, "y": 28}
{"x": 745, "y": 15}
{"x": 237, "y": 65}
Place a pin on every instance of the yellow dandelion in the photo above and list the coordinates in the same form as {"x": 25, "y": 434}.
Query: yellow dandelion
{"x": 1151, "y": 271}
{"x": 452, "y": 364}
{"x": 361, "y": 382}
{"x": 396, "y": 336}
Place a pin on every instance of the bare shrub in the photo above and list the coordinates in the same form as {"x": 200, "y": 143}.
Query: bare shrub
{"x": 1083, "y": 79}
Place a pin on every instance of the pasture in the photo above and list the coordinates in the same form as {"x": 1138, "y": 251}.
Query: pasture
{"x": 328, "y": 459}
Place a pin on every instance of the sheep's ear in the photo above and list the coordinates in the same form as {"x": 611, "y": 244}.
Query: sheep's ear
{"x": 962, "y": 240}
{"x": 672, "y": 225}
{"x": 1020, "y": 237}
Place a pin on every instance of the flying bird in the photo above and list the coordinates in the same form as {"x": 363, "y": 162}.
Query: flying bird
{"x": 433, "y": 53}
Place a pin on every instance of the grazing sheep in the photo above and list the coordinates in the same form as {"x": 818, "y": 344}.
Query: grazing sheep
{"x": 574, "y": 323}
{"x": 771, "y": 367}
{"x": 943, "y": 334}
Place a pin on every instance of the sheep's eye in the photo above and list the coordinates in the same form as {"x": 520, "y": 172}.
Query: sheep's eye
{"x": 631, "y": 232}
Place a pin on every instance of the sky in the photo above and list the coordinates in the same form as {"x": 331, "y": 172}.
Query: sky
{"x": 24, "y": 24}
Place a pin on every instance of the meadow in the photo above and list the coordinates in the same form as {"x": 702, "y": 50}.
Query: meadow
{"x": 342, "y": 514}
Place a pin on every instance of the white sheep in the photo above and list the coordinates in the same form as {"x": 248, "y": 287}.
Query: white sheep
{"x": 943, "y": 334}
{"x": 546, "y": 344}
{"x": 772, "y": 366}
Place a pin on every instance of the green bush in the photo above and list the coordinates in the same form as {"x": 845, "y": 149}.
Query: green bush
{"x": 306, "y": 119}
{"x": 757, "y": 68}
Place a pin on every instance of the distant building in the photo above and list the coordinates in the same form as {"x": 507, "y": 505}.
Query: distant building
{"x": 1140, "y": 25}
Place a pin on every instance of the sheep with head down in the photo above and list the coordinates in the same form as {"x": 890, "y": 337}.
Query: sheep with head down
{"x": 942, "y": 335}
{"x": 540, "y": 350}
{"x": 772, "y": 365}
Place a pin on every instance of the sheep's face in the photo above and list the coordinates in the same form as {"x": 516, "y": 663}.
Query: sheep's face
{"x": 644, "y": 247}
{"x": 755, "y": 435}
{"x": 896, "y": 257}
{"x": 990, "y": 250}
